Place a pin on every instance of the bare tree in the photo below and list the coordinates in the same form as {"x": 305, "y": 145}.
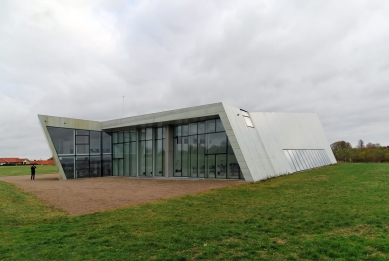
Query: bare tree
{"x": 360, "y": 144}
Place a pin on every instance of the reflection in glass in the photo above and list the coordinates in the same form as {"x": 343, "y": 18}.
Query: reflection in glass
{"x": 67, "y": 164}
{"x": 95, "y": 142}
{"x": 63, "y": 140}
{"x": 118, "y": 151}
{"x": 126, "y": 147}
{"x": 107, "y": 142}
{"x": 221, "y": 166}
{"x": 193, "y": 128}
{"x": 120, "y": 136}
{"x": 132, "y": 135}
{"x": 201, "y": 127}
{"x": 95, "y": 166}
{"x": 82, "y": 149}
{"x": 149, "y": 158}
{"x": 142, "y": 134}
{"x": 149, "y": 133}
{"x": 216, "y": 143}
{"x": 219, "y": 125}
{"x": 160, "y": 133}
{"x": 201, "y": 156}
{"x": 185, "y": 156}
{"x": 177, "y": 157}
{"x": 210, "y": 126}
{"x": 107, "y": 165}
{"x": 193, "y": 155}
{"x": 210, "y": 167}
{"x": 159, "y": 155}
{"x": 177, "y": 131}
{"x": 142, "y": 158}
{"x": 82, "y": 132}
{"x": 126, "y": 136}
{"x": 133, "y": 171}
{"x": 82, "y": 167}
{"x": 82, "y": 139}
{"x": 185, "y": 130}
{"x": 118, "y": 167}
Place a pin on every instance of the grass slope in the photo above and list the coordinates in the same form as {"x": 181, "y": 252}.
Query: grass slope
{"x": 25, "y": 170}
{"x": 336, "y": 212}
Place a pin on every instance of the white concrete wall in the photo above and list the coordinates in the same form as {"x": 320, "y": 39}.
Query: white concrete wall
{"x": 180, "y": 116}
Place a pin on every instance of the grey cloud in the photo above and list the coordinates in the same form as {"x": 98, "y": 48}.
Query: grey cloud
{"x": 78, "y": 59}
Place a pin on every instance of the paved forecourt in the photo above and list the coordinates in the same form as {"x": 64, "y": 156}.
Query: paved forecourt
{"x": 84, "y": 196}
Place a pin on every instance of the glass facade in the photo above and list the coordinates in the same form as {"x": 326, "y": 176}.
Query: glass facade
{"x": 300, "y": 160}
{"x": 82, "y": 153}
{"x": 202, "y": 150}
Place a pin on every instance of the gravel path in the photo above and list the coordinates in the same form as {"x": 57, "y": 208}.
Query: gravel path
{"x": 84, "y": 196}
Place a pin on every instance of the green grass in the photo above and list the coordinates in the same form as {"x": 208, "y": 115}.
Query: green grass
{"x": 25, "y": 170}
{"x": 334, "y": 213}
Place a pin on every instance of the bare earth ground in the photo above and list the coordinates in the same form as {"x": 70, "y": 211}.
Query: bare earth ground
{"x": 84, "y": 196}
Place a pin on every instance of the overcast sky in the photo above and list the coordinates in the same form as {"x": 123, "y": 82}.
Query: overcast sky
{"x": 79, "y": 58}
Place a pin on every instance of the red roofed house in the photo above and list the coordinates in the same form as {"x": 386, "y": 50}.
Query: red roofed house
{"x": 43, "y": 162}
{"x": 14, "y": 161}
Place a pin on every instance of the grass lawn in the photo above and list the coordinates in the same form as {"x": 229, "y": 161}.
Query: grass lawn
{"x": 337, "y": 212}
{"x": 25, "y": 170}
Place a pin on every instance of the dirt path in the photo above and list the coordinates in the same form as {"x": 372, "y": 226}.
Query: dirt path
{"x": 84, "y": 196}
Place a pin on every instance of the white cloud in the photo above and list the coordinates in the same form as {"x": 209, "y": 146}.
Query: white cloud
{"x": 78, "y": 58}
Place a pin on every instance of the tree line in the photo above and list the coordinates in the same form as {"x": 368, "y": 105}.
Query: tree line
{"x": 371, "y": 152}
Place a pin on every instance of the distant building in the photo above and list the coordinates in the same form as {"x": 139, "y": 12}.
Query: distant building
{"x": 13, "y": 161}
{"x": 209, "y": 141}
{"x": 43, "y": 162}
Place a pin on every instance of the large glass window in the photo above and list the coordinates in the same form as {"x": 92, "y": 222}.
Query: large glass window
{"x": 193, "y": 155}
{"x": 68, "y": 166}
{"x": 201, "y": 150}
{"x": 107, "y": 165}
{"x": 177, "y": 157}
{"x": 107, "y": 143}
{"x": 95, "y": 166}
{"x": 63, "y": 140}
{"x": 132, "y": 162}
{"x": 82, "y": 167}
{"x": 82, "y": 142}
{"x": 201, "y": 155}
{"x": 80, "y": 152}
{"x": 146, "y": 152}
{"x": 216, "y": 143}
{"x": 95, "y": 142}
{"x": 160, "y": 152}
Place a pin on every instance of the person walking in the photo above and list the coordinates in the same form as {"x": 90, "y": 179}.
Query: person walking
{"x": 33, "y": 172}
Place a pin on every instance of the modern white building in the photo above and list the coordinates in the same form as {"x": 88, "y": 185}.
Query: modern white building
{"x": 208, "y": 141}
